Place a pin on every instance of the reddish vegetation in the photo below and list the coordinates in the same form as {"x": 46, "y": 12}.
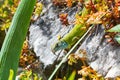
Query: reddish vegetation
{"x": 63, "y": 18}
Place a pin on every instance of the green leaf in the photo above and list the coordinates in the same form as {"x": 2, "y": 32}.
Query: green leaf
{"x": 115, "y": 29}
{"x": 11, "y": 74}
{"x": 117, "y": 38}
{"x": 72, "y": 76}
{"x": 11, "y": 49}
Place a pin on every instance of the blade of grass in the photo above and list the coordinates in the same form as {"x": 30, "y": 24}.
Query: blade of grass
{"x": 11, "y": 49}
{"x": 117, "y": 38}
{"x": 115, "y": 29}
{"x": 72, "y": 76}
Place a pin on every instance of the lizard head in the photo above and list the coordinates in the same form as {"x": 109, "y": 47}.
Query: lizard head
{"x": 59, "y": 45}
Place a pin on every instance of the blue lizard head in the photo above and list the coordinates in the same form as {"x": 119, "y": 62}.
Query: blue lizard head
{"x": 59, "y": 45}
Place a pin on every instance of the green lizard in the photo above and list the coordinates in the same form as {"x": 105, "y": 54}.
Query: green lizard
{"x": 77, "y": 32}
{"x": 69, "y": 39}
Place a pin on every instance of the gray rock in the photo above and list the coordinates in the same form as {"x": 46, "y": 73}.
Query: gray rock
{"x": 102, "y": 56}
{"x": 44, "y": 32}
